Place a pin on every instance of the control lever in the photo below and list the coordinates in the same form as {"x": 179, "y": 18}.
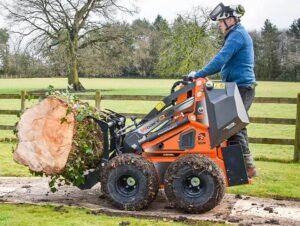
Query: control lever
{"x": 133, "y": 118}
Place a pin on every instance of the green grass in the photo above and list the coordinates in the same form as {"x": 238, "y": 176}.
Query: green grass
{"x": 279, "y": 153}
{"x": 136, "y": 86}
{"x": 271, "y": 131}
{"x": 273, "y": 110}
{"x": 29, "y": 215}
{"x": 277, "y": 89}
{"x": 276, "y": 180}
{"x": 7, "y": 166}
{"x": 111, "y": 86}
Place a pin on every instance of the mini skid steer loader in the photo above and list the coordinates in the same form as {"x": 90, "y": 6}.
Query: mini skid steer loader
{"x": 180, "y": 146}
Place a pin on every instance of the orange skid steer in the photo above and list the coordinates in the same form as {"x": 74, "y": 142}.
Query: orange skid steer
{"x": 180, "y": 146}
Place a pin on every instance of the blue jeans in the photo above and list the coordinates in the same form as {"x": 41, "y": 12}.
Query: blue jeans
{"x": 247, "y": 94}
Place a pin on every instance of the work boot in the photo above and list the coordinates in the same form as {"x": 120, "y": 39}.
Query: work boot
{"x": 251, "y": 172}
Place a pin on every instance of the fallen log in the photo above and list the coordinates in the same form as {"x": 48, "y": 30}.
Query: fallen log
{"x": 55, "y": 138}
{"x": 44, "y": 142}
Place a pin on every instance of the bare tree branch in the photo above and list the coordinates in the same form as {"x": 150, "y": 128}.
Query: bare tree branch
{"x": 70, "y": 23}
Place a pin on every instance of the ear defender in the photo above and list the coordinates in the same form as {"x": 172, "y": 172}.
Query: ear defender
{"x": 240, "y": 9}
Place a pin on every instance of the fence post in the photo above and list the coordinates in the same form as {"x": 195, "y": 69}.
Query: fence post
{"x": 297, "y": 132}
{"x": 97, "y": 99}
{"x": 23, "y": 99}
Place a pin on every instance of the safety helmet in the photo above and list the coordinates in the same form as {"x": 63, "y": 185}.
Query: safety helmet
{"x": 222, "y": 12}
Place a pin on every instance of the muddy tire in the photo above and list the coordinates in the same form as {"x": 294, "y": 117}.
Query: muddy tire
{"x": 130, "y": 182}
{"x": 194, "y": 183}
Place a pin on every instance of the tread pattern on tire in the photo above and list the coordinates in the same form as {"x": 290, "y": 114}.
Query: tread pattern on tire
{"x": 138, "y": 163}
{"x": 198, "y": 164}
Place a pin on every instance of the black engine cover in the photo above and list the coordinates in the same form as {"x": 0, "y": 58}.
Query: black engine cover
{"x": 226, "y": 112}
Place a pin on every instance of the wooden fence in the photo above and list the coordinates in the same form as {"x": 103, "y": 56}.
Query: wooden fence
{"x": 98, "y": 98}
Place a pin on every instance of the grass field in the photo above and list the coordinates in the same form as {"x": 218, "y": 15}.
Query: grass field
{"x": 29, "y": 215}
{"x": 275, "y": 179}
{"x": 162, "y": 87}
{"x": 135, "y": 86}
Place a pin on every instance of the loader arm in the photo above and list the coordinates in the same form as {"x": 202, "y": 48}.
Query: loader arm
{"x": 167, "y": 101}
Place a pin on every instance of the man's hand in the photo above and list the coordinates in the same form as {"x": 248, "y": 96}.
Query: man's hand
{"x": 192, "y": 74}
{"x": 189, "y": 77}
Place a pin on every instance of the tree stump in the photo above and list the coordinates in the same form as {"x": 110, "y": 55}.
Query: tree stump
{"x": 56, "y": 138}
{"x": 44, "y": 139}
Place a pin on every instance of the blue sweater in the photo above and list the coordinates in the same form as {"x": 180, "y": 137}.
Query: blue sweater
{"x": 235, "y": 60}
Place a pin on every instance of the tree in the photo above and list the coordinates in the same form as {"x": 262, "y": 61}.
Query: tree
{"x": 27, "y": 64}
{"x": 293, "y": 59}
{"x": 111, "y": 57}
{"x": 295, "y": 28}
{"x": 51, "y": 23}
{"x": 161, "y": 32}
{"x": 191, "y": 44}
{"x": 143, "y": 60}
{"x": 161, "y": 24}
{"x": 268, "y": 64}
{"x": 4, "y": 51}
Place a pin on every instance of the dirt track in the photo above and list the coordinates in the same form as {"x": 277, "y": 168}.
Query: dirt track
{"x": 242, "y": 210}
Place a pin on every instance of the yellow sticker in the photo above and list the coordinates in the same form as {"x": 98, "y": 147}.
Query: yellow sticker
{"x": 160, "y": 105}
{"x": 219, "y": 85}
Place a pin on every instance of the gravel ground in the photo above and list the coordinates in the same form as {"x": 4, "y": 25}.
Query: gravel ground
{"x": 235, "y": 209}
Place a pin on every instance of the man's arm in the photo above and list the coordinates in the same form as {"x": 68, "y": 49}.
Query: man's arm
{"x": 231, "y": 46}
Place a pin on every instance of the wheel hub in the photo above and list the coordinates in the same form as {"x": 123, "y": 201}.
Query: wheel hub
{"x": 195, "y": 181}
{"x": 131, "y": 181}
{"x": 193, "y": 186}
{"x": 127, "y": 185}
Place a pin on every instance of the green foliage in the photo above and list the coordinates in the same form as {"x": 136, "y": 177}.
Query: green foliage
{"x": 268, "y": 28}
{"x": 158, "y": 49}
{"x": 111, "y": 55}
{"x": 266, "y": 52}
{"x": 4, "y": 51}
{"x": 145, "y": 48}
{"x": 30, "y": 97}
{"x": 190, "y": 45}
{"x": 295, "y": 28}
{"x": 276, "y": 54}
{"x": 161, "y": 24}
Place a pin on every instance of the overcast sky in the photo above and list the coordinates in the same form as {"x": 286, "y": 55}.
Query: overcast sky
{"x": 281, "y": 12}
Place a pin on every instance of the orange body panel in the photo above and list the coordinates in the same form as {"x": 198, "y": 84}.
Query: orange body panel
{"x": 166, "y": 148}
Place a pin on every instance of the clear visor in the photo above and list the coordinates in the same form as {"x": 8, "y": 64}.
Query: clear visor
{"x": 218, "y": 10}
